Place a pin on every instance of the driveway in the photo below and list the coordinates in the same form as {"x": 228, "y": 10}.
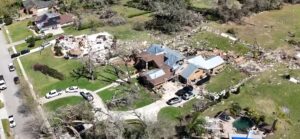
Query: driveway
{"x": 12, "y": 100}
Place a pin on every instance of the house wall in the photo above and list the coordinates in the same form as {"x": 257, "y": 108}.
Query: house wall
{"x": 197, "y": 75}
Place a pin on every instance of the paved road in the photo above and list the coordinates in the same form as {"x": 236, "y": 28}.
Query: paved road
{"x": 12, "y": 101}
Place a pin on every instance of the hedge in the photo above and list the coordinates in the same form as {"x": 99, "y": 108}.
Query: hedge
{"x": 48, "y": 71}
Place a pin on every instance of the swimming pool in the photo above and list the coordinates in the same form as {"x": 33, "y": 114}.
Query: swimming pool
{"x": 243, "y": 124}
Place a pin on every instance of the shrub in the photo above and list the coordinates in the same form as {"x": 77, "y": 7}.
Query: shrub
{"x": 57, "y": 51}
{"x": 31, "y": 41}
{"x": 48, "y": 71}
{"x": 231, "y": 31}
{"x": 29, "y": 23}
{"x": 138, "y": 26}
{"x": 116, "y": 21}
{"x": 8, "y": 20}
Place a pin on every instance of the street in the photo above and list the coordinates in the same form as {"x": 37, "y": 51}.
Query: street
{"x": 11, "y": 97}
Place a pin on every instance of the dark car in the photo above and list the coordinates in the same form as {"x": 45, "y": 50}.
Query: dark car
{"x": 174, "y": 100}
{"x": 25, "y": 51}
{"x": 185, "y": 89}
{"x": 15, "y": 55}
{"x": 86, "y": 95}
{"x": 16, "y": 80}
{"x": 187, "y": 95}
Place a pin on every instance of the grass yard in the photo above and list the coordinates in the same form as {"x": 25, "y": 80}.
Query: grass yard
{"x": 145, "y": 98}
{"x": 270, "y": 28}
{"x": 19, "y": 31}
{"x": 228, "y": 77}
{"x": 171, "y": 114}
{"x": 43, "y": 83}
{"x": 203, "y": 3}
{"x": 268, "y": 94}
{"x": 25, "y": 46}
{"x": 213, "y": 41}
{"x": 6, "y": 128}
{"x": 126, "y": 11}
{"x": 63, "y": 102}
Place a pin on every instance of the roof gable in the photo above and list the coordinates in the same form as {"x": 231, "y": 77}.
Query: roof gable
{"x": 189, "y": 70}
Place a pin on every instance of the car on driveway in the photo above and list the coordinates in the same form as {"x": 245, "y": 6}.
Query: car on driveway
{"x": 25, "y": 51}
{"x": 72, "y": 89}
{"x": 87, "y": 95}
{"x": 174, "y": 100}
{"x": 16, "y": 80}
{"x": 2, "y": 83}
{"x": 12, "y": 122}
{"x": 185, "y": 93}
{"x": 15, "y": 55}
{"x": 11, "y": 67}
{"x": 53, "y": 93}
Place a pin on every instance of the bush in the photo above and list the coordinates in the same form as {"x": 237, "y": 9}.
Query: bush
{"x": 57, "y": 51}
{"x": 48, "y": 71}
{"x": 29, "y": 23}
{"x": 231, "y": 31}
{"x": 138, "y": 26}
{"x": 8, "y": 20}
{"x": 116, "y": 21}
{"x": 31, "y": 41}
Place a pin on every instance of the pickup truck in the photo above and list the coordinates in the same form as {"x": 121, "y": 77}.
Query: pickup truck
{"x": 2, "y": 83}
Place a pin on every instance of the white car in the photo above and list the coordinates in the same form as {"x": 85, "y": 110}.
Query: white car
{"x": 11, "y": 67}
{"x": 2, "y": 85}
{"x": 53, "y": 93}
{"x": 12, "y": 122}
{"x": 72, "y": 89}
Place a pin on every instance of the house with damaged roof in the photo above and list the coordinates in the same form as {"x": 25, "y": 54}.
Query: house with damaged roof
{"x": 37, "y": 7}
{"x": 197, "y": 68}
{"x": 52, "y": 21}
{"x": 158, "y": 64}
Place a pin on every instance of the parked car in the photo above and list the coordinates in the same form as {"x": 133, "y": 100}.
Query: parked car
{"x": 12, "y": 122}
{"x": 53, "y": 93}
{"x": 11, "y": 67}
{"x": 87, "y": 95}
{"x": 25, "y": 51}
{"x": 185, "y": 89}
{"x": 187, "y": 95}
{"x": 16, "y": 80}
{"x": 174, "y": 100}
{"x": 14, "y": 55}
{"x": 2, "y": 83}
{"x": 72, "y": 89}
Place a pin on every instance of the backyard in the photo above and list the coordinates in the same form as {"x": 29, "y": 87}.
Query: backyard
{"x": 63, "y": 102}
{"x": 211, "y": 40}
{"x": 145, "y": 97}
{"x": 270, "y": 28}
{"x": 43, "y": 84}
{"x": 19, "y": 31}
{"x": 270, "y": 95}
{"x": 228, "y": 77}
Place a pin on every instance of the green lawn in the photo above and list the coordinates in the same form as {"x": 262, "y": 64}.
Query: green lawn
{"x": 6, "y": 128}
{"x": 171, "y": 114}
{"x": 203, "y": 3}
{"x": 270, "y": 29}
{"x": 19, "y": 31}
{"x": 42, "y": 84}
{"x": 63, "y": 102}
{"x": 214, "y": 41}
{"x": 25, "y": 46}
{"x": 126, "y": 11}
{"x": 228, "y": 77}
{"x": 145, "y": 98}
{"x": 268, "y": 94}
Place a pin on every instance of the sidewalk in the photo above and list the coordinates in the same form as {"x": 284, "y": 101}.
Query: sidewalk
{"x": 3, "y": 115}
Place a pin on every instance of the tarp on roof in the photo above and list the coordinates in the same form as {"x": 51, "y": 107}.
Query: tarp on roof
{"x": 172, "y": 57}
{"x": 208, "y": 64}
{"x": 155, "y": 49}
{"x": 155, "y": 73}
{"x": 188, "y": 71}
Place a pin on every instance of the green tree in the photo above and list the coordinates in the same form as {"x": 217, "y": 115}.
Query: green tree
{"x": 235, "y": 109}
{"x": 196, "y": 126}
